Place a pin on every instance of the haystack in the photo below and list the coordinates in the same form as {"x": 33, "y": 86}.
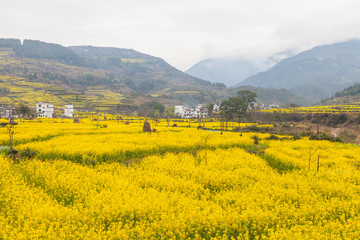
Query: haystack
{"x": 76, "y": 120}
{"x": 127, "y": 122}
{"x": 146, "y": 127}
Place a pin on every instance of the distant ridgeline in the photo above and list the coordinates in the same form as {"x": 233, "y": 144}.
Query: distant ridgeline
{"x": 314, "y": 74}
{"x": 136, "y": 76}
{"x": 38, "y": 49}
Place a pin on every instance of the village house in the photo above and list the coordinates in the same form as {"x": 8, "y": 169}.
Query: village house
{"x": 7, "y": 111}
{"x": 271, "y": 106}
{"x": 69, "y": 111}
{"x": 45, "y": 110}
{"x": 200, "y": 111}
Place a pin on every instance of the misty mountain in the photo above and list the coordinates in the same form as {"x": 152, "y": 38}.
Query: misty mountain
{"x": 314, "y": 74}
{"x": 232, "y": 70}
{"x": 226, "y": 70}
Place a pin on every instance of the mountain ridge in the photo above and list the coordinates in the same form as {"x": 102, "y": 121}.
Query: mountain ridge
{"x": 314, "y": 74}
{"x": 136, "y": 76}
{"x": 232, "y": 70}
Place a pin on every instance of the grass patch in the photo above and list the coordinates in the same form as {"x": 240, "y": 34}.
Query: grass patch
{"x": 279, "y": 166}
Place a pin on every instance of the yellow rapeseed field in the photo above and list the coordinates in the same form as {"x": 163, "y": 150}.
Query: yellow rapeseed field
{"x": 116, "y": 182}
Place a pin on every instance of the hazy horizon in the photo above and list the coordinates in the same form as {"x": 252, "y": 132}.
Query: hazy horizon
{"x": 183, "y": 33}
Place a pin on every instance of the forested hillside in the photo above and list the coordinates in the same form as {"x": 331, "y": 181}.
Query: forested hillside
{"x": 94, "y": 77}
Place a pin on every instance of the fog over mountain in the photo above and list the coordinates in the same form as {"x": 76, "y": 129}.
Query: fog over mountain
{"x": 232, "y": 70}
{"x": 314, "y": 74}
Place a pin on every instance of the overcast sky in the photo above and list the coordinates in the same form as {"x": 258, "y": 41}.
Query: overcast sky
{"x": 182, "y": 32}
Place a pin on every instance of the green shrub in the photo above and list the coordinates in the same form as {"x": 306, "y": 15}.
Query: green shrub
{"x": 296, "y": 137}
{"x": 28, "y": 153}
{"x": 273, "y": 137}
{"x": 324, "y": 136}
{"x": 256, "y": 139}
{"x": 5, "y": 150}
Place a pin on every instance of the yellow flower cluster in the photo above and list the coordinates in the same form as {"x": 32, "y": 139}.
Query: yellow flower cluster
{"x": 118, "y": 142}
{"x": 318, "y": 109}
{"x": 210, "y": 187}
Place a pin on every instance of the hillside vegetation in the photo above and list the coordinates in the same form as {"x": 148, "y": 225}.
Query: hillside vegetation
{"x": 349, "y": 95}
{"x": 108, "y": 79}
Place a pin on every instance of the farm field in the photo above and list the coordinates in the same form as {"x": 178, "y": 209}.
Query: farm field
{"x": 17, "y": 89}
{"x": 116, "y": 182}
{"x": 21, "y": 90}
{"x": 339, "y": 108}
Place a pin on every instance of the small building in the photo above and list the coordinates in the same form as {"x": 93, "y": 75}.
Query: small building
{"x": 184, "y": 112}
{"x": 187, "y": 112}
{"x": 216, "y": 108}
{"x": 179, "y": 110}
{"x": 201, "y": 111}
{"x": 7, "y": 111}
{"x": 271, "y": 106}
{"x": 45, "y": 110}
{"x": 69, "y": 111}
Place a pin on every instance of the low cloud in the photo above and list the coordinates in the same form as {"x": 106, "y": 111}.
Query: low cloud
{"x": 184, "y": 32}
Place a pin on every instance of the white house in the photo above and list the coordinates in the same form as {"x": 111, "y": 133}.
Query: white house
{"x": 69, "y": 111}
{"x": 216, "y": 108}
{"x": 179, "y": 110}
{"x": 45, "y": 110}
{"x": 273, "y": 106}
{"x": 187, "y": 112}
{"x": 201, "y": 111}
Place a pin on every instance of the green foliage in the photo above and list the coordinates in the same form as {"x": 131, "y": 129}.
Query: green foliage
{"x": 169, "y": 111}
{"x": 210, "y": 108}
{"x": 233, "y": 108}
{"x": 5, "y": 150}
{"x": 25, "y": 110}
{"x": 274, "y": 137}
{"x": 247, "y": 96}
{"x": 151, "y": 109}
{"x": 349, "y": 91}
{"x": 296, "y": 137}
{"x": 324, "y": 136}
{"x": 256, "y": 139}
{"x": 28, "y": 153}
{"x": 278, "y": 165}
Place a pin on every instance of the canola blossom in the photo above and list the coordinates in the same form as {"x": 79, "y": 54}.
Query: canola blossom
{"x": 183, "y": 184}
